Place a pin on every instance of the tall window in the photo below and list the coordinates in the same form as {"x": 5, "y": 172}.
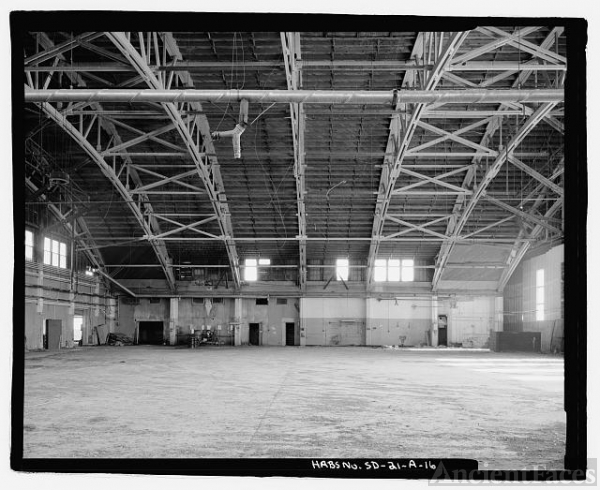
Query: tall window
{"x": 28, "y": 245}
{"x": 539, "y": 295}
{"x": 55, "y": 253}
{"x": 408, "y": 270}
{"x": 342, "y": 267}
{"x": 380, "y": 272}
{"x": 394, "y": 270}
{"x": 251, "y": 270}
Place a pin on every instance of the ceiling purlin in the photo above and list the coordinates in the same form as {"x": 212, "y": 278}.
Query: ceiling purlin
{"x": 290, "y": 42}
{"x": 400, "y": 137}
{"x": 77, "y": 80}
{"x": 191, "y": 136}
{"x": 492, "y": 127}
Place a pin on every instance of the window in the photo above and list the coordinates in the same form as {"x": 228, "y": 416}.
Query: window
{"x": 342, "y": 268}
{"x": 55, "y": 253}
{"x": 408, "y": 270}
{"x": 251, "y": 270}
{"x": 387, "y": 270}
{"x": 262, "y": 301}
{"x": 89, "y": 271}
{"x": 264, "y": 261}
{"x": 28, "y": 245}
{"x": 539, "y": 295}
{"x": 394, "y": 270}
{"x": 380, "y": 272}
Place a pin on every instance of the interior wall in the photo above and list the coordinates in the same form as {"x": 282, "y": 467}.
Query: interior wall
{"x": 399, "y": 321}
{"x": 271, "y": 319}
{"x": 48, "y": 297}
{"x": 321, "y": 313}
{"x": 552, "y": 326}
{"x": 471, "y": 319}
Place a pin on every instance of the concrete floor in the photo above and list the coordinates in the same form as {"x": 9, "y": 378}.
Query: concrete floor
{"x": 505, "y": 410}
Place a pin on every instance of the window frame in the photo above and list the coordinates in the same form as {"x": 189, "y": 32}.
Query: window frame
{"x": 342, "y": 271}
{"x": 55, "y": 253}
{"x": 407, "y": 270}
{"x": 29, "y": 246}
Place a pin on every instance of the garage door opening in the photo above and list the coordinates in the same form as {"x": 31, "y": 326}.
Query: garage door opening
{"x": 150, "y": 333}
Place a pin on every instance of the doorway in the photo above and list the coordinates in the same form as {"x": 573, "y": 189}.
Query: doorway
{"x": 443, "y": 330}
{"x": 77, "y": 329}
{"x": 150, "y": 333}
{"x": 254, "y": 338}
{"x": 290, "y": 333}
{"x": 52, "y": 334}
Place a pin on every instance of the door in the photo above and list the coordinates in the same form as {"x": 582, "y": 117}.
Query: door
{"x": 151, "y": 333}
{"x": 290, "y": 333}
{"x": 53, "y": 334}
{"x": 254, "y": 334}
{"x": 443, "y": 330}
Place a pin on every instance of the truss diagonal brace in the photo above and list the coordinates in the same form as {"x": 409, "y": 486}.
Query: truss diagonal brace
{"x": 159, "y": 247}
{"x": 447, "y": 247}
{"x": 391, "y": 169}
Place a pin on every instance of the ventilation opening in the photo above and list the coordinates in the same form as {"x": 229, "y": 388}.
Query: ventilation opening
{"x": 197, "y": 300}
{"x": 154, "y": 300}
{"x": 217, "y": 300}
{"x": 262, "y": 301}
{"x": 282, "y": 301}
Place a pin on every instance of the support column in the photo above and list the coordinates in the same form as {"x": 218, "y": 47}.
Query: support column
{"x": 97, "y": 300}
{"x": 499, "y": 314}
{"x": 434, "y": 321}
{"x": 40, "y": 291}
{"x": 173, "y": 317}
{"x": 237, "y": 319}
{"x": 302, "y": 324}
{"x": 368, "y": 325}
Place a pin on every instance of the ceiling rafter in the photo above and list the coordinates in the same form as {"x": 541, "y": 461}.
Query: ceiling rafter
{"x": 400, "y": 137}
{"x": 290, "y": 44}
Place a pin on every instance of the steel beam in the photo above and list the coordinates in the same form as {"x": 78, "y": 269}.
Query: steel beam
{"x": 536, "y": 175}
{"x": 210, "y": 175}
{"x": 290, "y": 44}
{"x": 400, "y": 137}
{"x": 313, "y": 65}
{"x": 342, "y": 97}
{"x": 54, "y": 51}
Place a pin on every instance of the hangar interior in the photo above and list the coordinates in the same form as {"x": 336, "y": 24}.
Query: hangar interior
{"x": 310, "y": 238}
{"x": 370, "y": 188}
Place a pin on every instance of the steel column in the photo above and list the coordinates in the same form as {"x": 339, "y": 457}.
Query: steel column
{"x": 290, "y": 43}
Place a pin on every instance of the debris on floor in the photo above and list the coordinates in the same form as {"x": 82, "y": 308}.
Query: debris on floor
{"x": 118, "y": 339}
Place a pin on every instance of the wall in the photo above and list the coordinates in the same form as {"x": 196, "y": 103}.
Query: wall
{"x": 321, "y": 314}
{"x": 272, "y": 319}
{"x": 389, "y": 320}
{"x": 193, "y": 315}
{"x": 522, "y": 285}
{"x": 471, "y": 319}
{"x": 48, "y": 297}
